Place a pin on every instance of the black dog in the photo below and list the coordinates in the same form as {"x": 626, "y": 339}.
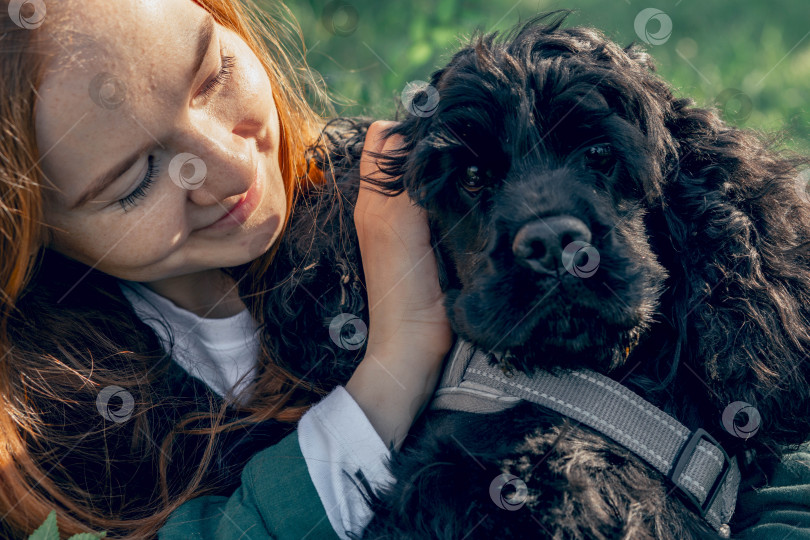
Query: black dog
{"x": 546, "y": 137}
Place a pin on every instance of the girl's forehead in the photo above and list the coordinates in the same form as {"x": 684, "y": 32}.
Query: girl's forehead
{"x": 96, "y": 33}
{"x": 111, "y": 72}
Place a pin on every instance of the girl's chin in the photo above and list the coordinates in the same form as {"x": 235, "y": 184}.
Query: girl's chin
{"x": 262, "y": 240}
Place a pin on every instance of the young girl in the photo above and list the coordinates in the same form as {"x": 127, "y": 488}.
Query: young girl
{"x": 146, "y": 147}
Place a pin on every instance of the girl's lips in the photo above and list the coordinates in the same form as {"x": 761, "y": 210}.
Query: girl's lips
{"x": 243, "y": 209}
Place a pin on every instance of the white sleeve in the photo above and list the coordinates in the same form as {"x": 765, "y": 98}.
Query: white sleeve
{"x": 335, "y": 436}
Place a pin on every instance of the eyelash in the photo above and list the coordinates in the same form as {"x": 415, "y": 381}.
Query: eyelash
{"x": 152, "y": 169}
{"x": 222, "y": 77}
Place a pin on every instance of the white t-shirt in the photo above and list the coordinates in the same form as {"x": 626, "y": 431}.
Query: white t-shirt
{"x": 334, "y": 434}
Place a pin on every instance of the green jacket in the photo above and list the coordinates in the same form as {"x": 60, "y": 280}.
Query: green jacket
{"x": 781, "y": 510}
{"x": 276, "y": 499}
{"x": 288, "y": 507}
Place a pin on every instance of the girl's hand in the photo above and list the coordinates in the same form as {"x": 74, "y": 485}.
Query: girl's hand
{"x": 409, "y": 333}
{"x": 406, "y": 304}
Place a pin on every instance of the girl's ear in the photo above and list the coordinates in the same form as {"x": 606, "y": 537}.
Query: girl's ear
{"x": 738, "y": 239}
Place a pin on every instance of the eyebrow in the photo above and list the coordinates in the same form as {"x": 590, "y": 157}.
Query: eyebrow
{"x": 204, "y": 38}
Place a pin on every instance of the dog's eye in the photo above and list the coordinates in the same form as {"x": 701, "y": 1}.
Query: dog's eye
{"x": 474, "y": 179}
{"x": 600, "y": 157}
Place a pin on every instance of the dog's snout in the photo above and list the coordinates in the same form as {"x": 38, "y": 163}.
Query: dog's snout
{"x": 539, "y": 244}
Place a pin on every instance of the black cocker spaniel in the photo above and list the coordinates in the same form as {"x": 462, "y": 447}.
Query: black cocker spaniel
{"x": 694, "y": 289}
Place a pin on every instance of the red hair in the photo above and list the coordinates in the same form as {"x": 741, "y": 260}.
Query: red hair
{"x": 56, "y": 357}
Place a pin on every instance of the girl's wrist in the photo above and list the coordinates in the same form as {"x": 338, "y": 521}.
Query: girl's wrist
{"x": 392, "y": 387}
{"x": 422, "y": 338}
{"x": 412, "y": 354}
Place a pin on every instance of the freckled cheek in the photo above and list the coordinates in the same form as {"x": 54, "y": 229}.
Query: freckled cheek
{"x": 124, "y": 244}
{"x": 274, "y": 199}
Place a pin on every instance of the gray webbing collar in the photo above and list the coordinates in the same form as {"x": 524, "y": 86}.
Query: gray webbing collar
{"x": 694, "y": 461}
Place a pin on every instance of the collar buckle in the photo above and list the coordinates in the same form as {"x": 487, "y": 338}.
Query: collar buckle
{"x": 685, "y": 456}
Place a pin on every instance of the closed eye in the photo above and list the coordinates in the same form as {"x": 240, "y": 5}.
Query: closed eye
{"x": 221, "y": 78}
{"x": 140, "y": 192}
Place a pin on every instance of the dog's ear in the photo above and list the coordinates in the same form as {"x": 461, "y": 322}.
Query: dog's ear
{"x": 737, "y": 241}
{"x": 406, "y": 166}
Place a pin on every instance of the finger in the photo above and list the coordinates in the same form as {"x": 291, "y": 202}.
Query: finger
{"x": 376, "y": 143}
{"x": 369, "y": 195}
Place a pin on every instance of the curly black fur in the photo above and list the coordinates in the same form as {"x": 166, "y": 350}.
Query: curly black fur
{"x": 316, "y": 274}
{"x": 700, "y": 298}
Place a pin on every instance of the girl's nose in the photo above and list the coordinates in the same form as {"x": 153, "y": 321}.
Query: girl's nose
{"x": 228, "y": 162}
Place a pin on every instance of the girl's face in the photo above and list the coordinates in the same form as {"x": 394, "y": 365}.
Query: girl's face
{"x": 153, "y": 122}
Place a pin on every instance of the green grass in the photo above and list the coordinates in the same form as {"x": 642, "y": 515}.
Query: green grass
{"x": 759, "y": 51}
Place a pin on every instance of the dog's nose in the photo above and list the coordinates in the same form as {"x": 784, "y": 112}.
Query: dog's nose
{"x": 539, "y": 244}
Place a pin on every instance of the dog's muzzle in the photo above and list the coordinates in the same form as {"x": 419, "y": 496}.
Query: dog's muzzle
{"x": 694, "y": 461}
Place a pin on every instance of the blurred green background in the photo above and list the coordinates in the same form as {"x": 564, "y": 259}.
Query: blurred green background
{"x": 750, "y": 59}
